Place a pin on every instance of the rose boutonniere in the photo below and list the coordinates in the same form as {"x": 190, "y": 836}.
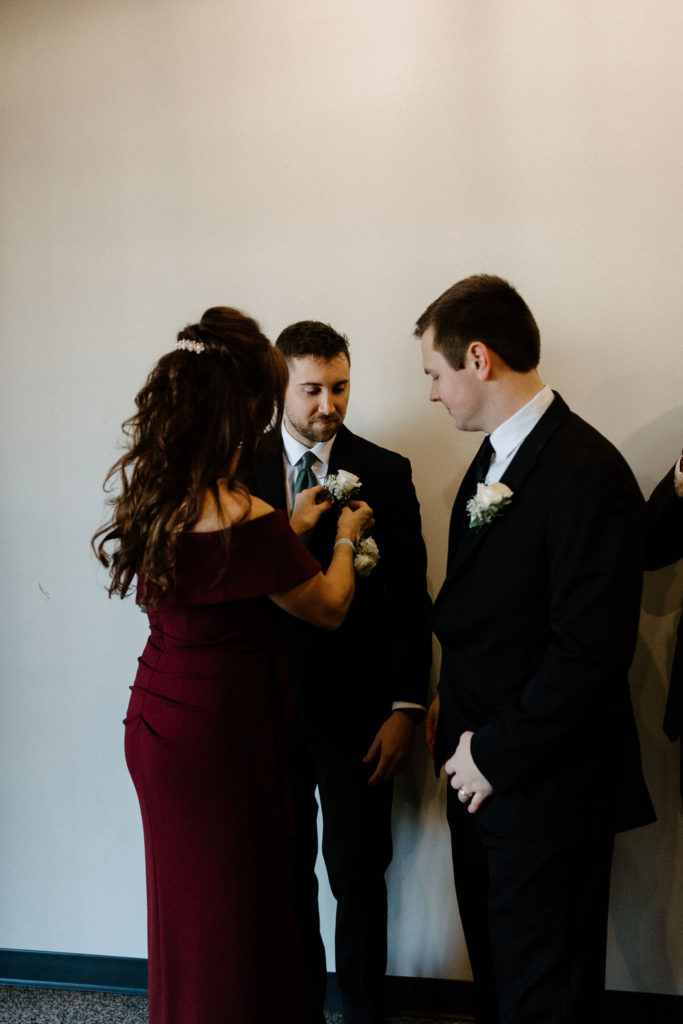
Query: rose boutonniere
{"x": 342, "y": 487}
{"x": 487, "y": 503}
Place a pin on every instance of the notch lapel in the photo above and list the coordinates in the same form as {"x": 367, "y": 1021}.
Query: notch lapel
{"x": 515, "y": 477}
{"x": 343, "y": 455}
{"x": 458, "y": 528}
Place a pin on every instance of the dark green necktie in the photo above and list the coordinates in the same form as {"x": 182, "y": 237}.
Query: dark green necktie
{"x": 305, "y": 477}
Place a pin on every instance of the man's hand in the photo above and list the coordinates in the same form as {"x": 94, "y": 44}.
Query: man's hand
{"x": 466, "y": 777}
{"x": 309, "y": 506}
{"x": 393, "y": 744}
{"x": 431, "y": 724}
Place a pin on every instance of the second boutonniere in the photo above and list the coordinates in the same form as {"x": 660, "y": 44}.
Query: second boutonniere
{"x": 342, "y": 487}
{"x": 487, "y": 503}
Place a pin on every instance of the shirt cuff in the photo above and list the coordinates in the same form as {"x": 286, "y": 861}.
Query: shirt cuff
{"x": 416, "y": 711}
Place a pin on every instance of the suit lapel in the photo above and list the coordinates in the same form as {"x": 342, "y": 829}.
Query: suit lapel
{"x": 343, "y": 455}
{"x": 532, "y": 446}
{"x": 515, "y": 477}
{"x": 458, "y": 526}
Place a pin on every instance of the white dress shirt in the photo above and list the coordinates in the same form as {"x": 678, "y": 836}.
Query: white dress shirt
{"x": 507, "y": 438}
{"x": 292, "y": 453}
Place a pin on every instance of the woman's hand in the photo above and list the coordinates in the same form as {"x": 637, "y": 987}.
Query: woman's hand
{"x": 309, "y": 506}
{"x": 355, "y": 519}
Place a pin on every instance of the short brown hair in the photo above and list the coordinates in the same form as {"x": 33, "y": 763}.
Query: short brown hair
{"x": 487, "y": 309}
{"x": 312, "y": 338}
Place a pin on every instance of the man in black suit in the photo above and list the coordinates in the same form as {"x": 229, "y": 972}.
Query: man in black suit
{"x": 537, "y": 620}
{"x": 359, "y": 691}
{"x": 664, "y": 545}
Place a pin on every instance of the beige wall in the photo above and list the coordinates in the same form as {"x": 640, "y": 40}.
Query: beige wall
{"x": 344, "y": 160}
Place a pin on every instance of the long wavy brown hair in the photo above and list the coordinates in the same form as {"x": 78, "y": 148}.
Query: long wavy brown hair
{"x": 199, "y": 419}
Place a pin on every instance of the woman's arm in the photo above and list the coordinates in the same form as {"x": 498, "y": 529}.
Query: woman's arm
{"x": 324, "y": 599}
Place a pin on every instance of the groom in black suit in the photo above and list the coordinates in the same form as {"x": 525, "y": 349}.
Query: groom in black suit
{"x": 537, "y": 620}
{"x": 357, "y": 691}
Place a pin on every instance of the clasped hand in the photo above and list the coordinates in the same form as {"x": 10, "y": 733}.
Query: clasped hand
{"x": 466, "y": 777}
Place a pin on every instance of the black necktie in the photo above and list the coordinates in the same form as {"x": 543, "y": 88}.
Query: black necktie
{"x": 482, "y": 462}
{"x": 460, "y": 516}
{"x": 305, "y": 477}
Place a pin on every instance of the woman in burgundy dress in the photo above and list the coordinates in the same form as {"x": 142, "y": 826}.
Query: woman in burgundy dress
{"x": 207, "y": 723}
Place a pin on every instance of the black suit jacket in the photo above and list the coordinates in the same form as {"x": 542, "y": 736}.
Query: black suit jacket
{"x": 664, "y": 545}
{"x": 345, "y": 681}
{"x": 538, "y": 619}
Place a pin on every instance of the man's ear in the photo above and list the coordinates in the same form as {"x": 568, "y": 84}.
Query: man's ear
{"x": 480, "y": 358}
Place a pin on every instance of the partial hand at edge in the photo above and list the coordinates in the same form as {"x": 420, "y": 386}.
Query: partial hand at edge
{"x": 466, "y": 776}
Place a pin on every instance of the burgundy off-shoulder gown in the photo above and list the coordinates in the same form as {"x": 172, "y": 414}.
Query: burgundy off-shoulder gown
{"x": 206, "y": 745}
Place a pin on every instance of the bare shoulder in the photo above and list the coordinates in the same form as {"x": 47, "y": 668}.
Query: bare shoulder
{"x": 232, "y": 508}
{"x": 258, "y": 507}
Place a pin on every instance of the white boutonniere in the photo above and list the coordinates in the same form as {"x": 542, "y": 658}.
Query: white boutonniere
{"x": 366, "y": 557}
{"x": 488, "y": 502}
{"x": 342, "y": 487}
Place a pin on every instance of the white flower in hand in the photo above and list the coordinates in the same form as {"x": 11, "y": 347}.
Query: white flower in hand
{"x": 488, "y": 502}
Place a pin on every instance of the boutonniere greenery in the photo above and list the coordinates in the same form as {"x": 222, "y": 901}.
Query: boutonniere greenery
{"x": 342, "y": 487}
{"x": 487, "y": 503}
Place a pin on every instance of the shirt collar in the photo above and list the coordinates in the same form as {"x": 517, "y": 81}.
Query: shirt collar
{"x": 294, "y": 449}
{"x": 510, "y": 434}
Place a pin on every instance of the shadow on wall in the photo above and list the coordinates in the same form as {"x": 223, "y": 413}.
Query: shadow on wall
{"x": 652, "y": 449}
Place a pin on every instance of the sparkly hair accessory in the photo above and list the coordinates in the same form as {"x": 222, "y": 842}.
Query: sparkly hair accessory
{"x": 190, "y": 346}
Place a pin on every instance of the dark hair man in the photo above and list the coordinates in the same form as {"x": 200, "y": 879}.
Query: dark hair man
{"x": 358, "y": 691}
{"x": 537, "y": 619}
